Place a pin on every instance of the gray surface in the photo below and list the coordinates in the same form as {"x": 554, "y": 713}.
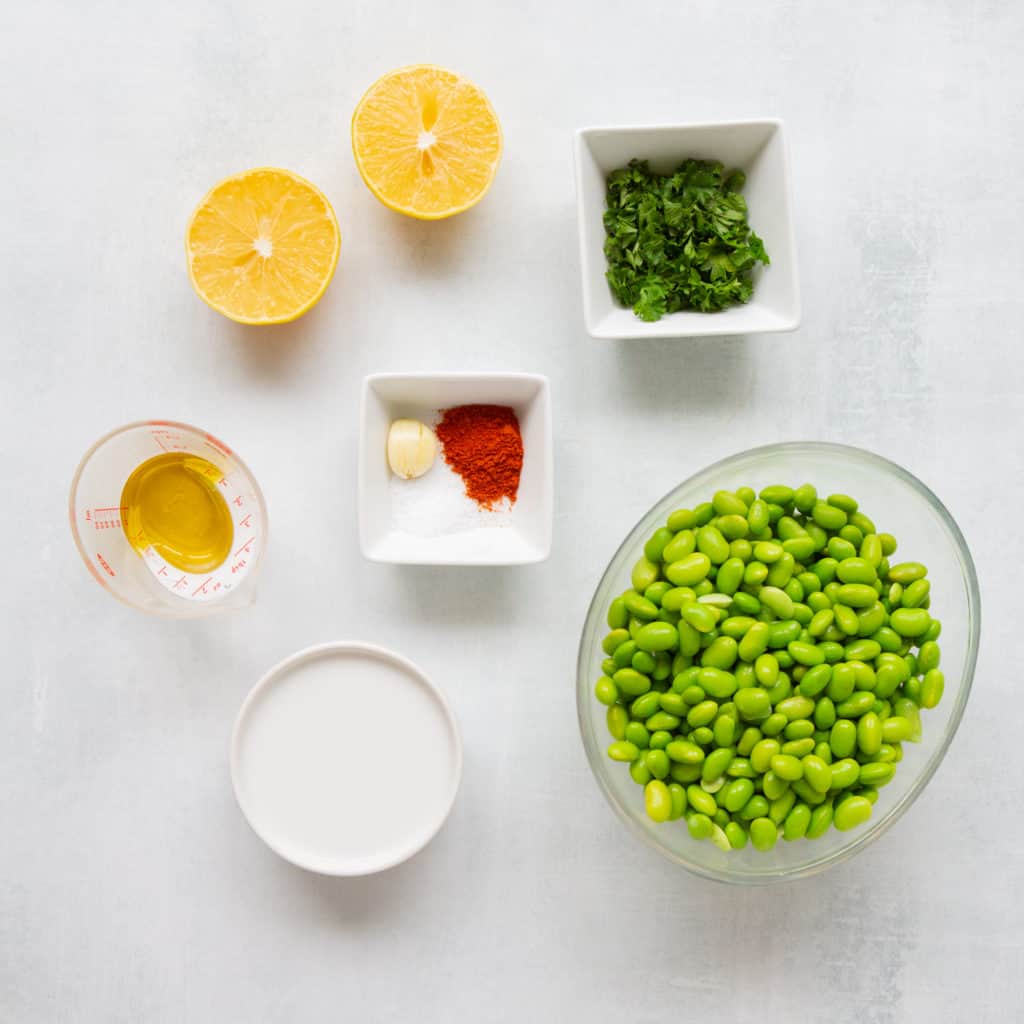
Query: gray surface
{"x": 130, "y": 887}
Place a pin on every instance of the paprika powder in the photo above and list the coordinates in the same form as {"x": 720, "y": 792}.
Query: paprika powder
{"x": 482, "y": 443}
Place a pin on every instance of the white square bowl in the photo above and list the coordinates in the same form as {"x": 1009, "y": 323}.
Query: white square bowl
{"x": 758, "y": 148}
{"x": 391, "y": 396}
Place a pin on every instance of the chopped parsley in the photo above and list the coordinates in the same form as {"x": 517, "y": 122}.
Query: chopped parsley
{"x": 679, "y": 241}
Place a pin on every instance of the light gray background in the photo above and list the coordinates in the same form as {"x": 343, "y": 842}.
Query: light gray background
{"x": 130, "y": 887}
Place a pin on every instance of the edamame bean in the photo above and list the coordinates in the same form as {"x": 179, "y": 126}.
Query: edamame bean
{"x": 753, "y": 704}
{"x": 798, "y": 748}
{"x": 689, "y": 570}
{"x": 716, "y": 763}
{"x": 736, "y": 834}
{"x": 910, "y": 622}
{"x": 657, "y": 800}
{"x": 755, "y": 573}
{"x": 763, "y": 833}
{"x": 916, "y": 594}
{"x": 700, "y": 617}
{"x": 797, "y": 822}
{"x": 685, "y": 752}
{"x": 876, "y": 774}
{"x": 781, "y": 806}
{"x": 617, "y": 718}
{"x": 857, "y": 595}
{"x": 853, "y": 811}
{"x": 701, "y": 801}
{"x": 630, "y": 682}
{"x": 643, "y": 662}
{"x": 805, "y": 653}
{"x": 781, "y": 634}
{"x": 824, "y": 714}
{"x": 821, "y": 820}
{"x": 817, "y": 773}
{"x": 623, "y": 750}
{"x": 711, "y": 542}
{"x": 681, "y": 519}
{"x": 762, "y": 754}
{"x": 702, "y": 714}
{"x": 768, "y": 551}
{"x": 795, "y": 707}
{"x": 905, "y": 572}
{"x": 869, "y": 733}
{"x": 700, "y": 825}
{"x": 638, "y": 735}
{"x": 730, "y": 575}
{"x": 735, "y": 796}
{"x": 645, "y": 705}
{"x": 606, "y": 691}
{"x": 678, "y": 795}
{"x": 862, "y": 650}
{"x": 683, "y": 544}
{"x": 840, "y": 549}
{"x": 843, "y": 738}
{"x": 755, "y": 641}
{"x": 787, "y": 767}
{"x": 724, "y": 730}
{"x": 721, "y": 653}
{"x": 717, "y": 683}
{"x": 655, "y": 546}
{"x": 845, "y": 773}
{"x": 827, "y": 516}
{"x": 778, "y": 601}
{"x": 800, "y": 548}
{"x": 859, "y": 704}
{"x": 932, "y": 687}
{"x": 657, "y": 636}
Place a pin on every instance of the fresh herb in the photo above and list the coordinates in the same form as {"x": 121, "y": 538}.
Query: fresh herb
{"x": 679, "y": 241}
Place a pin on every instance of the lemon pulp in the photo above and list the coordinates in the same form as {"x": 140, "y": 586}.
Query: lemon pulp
{"x": 171, "y": 503}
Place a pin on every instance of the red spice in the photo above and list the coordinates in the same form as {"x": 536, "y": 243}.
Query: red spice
{"x": 483, "y": 445}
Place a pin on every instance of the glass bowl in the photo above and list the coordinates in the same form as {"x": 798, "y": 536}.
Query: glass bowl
{"x": 899, "y": 504}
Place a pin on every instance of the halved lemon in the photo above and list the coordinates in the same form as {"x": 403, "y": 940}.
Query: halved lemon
{"x": 262, "y": 246}
{"x": 426, "y": 141}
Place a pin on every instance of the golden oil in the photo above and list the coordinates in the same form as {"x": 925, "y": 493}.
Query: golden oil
{"x": 172, "y": 503}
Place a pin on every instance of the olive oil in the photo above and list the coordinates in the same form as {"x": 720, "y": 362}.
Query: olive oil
{"x": 172, "y": 503}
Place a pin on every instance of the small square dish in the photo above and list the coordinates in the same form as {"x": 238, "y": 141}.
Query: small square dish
{"x": 757, "y": 148}
{"x": 518, "y": 535}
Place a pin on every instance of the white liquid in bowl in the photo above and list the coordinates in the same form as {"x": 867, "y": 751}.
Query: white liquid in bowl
{"x": 345, "y": 759}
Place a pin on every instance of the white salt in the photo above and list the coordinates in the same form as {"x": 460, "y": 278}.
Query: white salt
{"x": 436, "y": 504}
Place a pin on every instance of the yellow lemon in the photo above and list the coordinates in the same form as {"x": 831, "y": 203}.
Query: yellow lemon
{"x": 426, "y": 141}
{"x": 262, "y": 246}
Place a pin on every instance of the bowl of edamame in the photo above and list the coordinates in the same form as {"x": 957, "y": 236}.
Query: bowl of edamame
{"x": 776, "y": 660}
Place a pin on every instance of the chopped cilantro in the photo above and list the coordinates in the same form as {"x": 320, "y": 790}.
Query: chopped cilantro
{"x": 679, "y": 241}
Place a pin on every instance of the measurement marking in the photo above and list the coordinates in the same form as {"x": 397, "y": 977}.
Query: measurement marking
{"x": 163, "y": 571}
{"x": 105, "y": 564}
{"x": 238, "y": 501}
{"x": 244, "y": 547}
{"x": 247, "y": 521}
{"x": 201, "y": 589}
{"x": 180, "y": 583}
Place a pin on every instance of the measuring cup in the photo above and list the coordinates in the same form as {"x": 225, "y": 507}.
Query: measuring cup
{"x": 144, "y": 580}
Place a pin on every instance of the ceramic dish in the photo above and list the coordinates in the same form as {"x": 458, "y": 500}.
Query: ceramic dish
{"x": 759, "y": 149}
{"x": 307, "y": 766}
{"x": 525, "y": 534}
{"x": 899, "y": 504}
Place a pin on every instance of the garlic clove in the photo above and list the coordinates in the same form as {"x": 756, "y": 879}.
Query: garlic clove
{"x": 412, "y": 448}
